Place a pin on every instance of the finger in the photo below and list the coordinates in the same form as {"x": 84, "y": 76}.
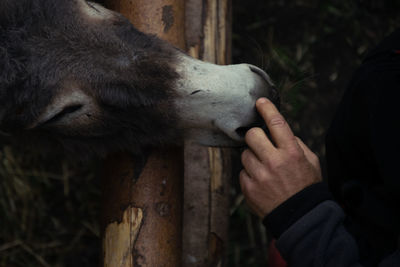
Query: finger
{"x": 251, "y": 163}
{"x": 310, "y": 156}
{"x": 245, "y": 185}
{"x": 280, "y": 131}
{"x": 244, "y": 177}
{"x": 307, "y": 152}
{"x": 245, "y": 182}
{"x": 259, "y": 143}
{"x": 303, "y": 146}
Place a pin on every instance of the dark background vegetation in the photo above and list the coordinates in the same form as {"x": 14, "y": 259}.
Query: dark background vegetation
{"x": 49, "y": 206}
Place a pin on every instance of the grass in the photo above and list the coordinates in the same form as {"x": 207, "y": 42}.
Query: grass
{"x": 48, "y": 211}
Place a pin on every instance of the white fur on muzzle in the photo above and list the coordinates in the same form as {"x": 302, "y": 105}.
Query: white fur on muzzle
{"x": 216, "y": 104}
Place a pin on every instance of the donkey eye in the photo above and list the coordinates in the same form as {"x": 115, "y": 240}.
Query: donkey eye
{"x": 67, "y": 110}
{"x": 92, "y": 6}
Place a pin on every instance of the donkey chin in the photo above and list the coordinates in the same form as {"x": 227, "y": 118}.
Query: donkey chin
{"x": 86, "y": 78}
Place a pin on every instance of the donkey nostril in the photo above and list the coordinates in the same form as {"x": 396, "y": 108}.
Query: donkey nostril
{"x": 273, "y": 92}
{"x": 262, "y": 74}
{"x": 241, "y": 131}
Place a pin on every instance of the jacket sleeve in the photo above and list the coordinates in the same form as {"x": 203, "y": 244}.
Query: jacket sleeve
{"x": 316, "y": 236}
{"x": 319, "y": 239}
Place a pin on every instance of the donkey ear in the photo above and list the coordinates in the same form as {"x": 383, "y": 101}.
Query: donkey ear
{"x": 68, "y": 108}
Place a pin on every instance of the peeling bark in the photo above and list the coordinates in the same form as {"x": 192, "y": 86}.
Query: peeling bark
{"x": 145, "y": 213}
{"x": 120, "y": 237}
{"x": 142, "y": 205}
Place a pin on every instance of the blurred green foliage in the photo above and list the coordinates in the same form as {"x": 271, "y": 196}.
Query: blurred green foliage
{"x": 49, "y": 206}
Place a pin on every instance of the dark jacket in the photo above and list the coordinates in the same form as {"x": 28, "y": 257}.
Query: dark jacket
{"x": 356, "y": 222}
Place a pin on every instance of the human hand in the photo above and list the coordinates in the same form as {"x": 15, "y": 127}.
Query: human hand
{"x": 275, "y": 171}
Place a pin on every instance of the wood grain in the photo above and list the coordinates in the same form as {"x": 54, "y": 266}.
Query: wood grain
{"x": 142, "y": 217}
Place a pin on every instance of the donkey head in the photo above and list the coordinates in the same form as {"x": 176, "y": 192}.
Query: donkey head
{"x": 76, "y": 72}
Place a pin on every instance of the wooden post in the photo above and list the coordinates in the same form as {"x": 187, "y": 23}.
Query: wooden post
{"x": 207, "y": 170}
{"x": 142, "y": 217}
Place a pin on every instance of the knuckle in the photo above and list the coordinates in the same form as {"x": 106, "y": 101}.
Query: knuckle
{"x": 245, "y": 155}
{"x": 253, "y": 132}
{"x": 294, "y": 154}
{"x": 276, "y": 121}
{"x": 245, "y": 185}
{"x": 247, "y": 158}
{"x": 262, "y": 175}
{"x": 276, "y": 163}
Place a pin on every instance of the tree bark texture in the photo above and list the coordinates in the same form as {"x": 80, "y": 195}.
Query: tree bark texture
{"x": 207, "y": 170}
{"x": 142, "y": 216}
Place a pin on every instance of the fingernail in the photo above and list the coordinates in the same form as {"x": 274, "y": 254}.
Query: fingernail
{"x": 262, "y": 100}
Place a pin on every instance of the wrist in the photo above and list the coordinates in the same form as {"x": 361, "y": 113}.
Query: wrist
{"x": 295, "y": 207}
